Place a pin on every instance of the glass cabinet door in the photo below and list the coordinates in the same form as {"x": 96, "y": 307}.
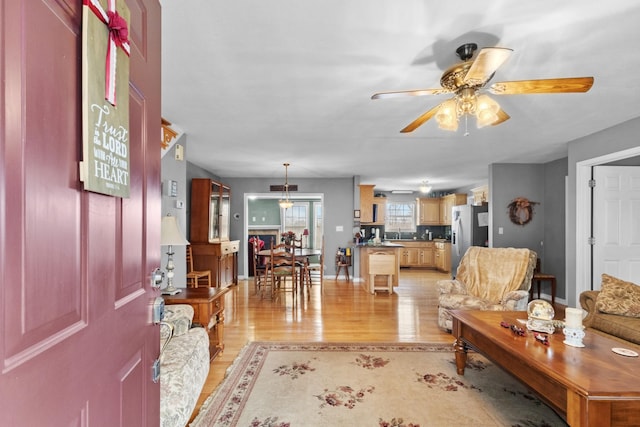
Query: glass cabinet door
{"x": 214, "y": 219}
{"x": 225, "y": 219}
{"x": 220, "y": 205}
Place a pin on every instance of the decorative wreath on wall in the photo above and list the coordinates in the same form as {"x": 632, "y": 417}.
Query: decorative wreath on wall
{"x": 521, "y": 210}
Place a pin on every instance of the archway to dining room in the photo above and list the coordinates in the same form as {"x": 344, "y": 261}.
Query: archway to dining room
{"x": 266, "y": 220}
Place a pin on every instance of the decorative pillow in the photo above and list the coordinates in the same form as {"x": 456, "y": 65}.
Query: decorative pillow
{"x": 618, "y": 297}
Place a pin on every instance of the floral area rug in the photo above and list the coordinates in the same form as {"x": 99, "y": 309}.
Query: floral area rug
{"x": 404, "y": 385}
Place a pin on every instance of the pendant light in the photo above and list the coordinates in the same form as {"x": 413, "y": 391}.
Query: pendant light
{"x": 284, "y": 202}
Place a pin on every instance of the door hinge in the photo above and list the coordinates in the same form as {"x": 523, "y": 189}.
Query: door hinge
{"x": 592, "y": 183}
{"x": 591, "y": 241}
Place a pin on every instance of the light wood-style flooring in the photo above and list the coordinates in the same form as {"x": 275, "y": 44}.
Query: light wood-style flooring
{"x": 343, "y": 312}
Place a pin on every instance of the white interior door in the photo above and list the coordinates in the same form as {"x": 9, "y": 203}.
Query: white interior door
{"x": 616, "y": 223}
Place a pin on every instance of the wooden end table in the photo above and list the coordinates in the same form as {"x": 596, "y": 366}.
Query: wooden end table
{"x": 208, "y": 307}
{"x": 589, "y": 386}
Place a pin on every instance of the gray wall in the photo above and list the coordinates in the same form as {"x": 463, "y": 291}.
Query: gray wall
{"x": 552, "y": 254}
{"x": 175, "y": 170}
{"x": 545, "y": 234}
{"x": 506, "y": 182}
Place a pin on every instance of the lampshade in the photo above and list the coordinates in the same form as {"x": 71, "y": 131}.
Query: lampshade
{"x": 486, "y": 111}
{"x": 170, "y": 233}
{"x": 285, "y": 204}
{"x": 425, "y": 187}
{"x": 447, "y": 117}
{"x": 305, "y": 232}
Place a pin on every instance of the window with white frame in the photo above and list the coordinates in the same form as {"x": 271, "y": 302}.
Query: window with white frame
{"x": 296, "y": 218}
{"x": 401, "y": 216}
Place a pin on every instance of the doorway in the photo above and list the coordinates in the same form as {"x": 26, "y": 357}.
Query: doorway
{"x": 265, "y": 219}
{"x": 616, "y": 223}
{"x": 584, "y": 220}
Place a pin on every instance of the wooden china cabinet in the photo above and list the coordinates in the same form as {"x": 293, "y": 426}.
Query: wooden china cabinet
{"x": 209, "y": 232}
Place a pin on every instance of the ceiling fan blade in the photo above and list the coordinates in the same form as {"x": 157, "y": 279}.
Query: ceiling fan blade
{"x": 562, "y": 85}
{"x": 420, "y": 120}
{"x": 403, "y": 93}
{"x": 485, "y": 65}
{"x": 502, "y": 117}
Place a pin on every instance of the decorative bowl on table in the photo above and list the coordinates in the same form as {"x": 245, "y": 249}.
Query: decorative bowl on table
{"x": 540, "y": 315}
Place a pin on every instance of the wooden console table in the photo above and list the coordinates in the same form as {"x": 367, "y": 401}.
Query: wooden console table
{"x": 208, "y": 307}
{"x": 589, "y": 386}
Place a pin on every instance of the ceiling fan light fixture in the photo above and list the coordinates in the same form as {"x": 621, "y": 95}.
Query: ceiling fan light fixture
{"x": 447, "y": 116}
{"x": 425, "y": 187}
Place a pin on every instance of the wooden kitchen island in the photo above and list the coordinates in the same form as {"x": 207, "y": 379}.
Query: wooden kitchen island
{"x": 380, "y": 281}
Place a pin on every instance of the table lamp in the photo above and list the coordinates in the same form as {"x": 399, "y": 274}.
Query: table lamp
{"x": 171, "y": 235}
{"x": 306, "y": 233}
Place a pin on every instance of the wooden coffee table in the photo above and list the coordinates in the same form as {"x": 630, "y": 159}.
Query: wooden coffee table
{"x": 589, "y": 386}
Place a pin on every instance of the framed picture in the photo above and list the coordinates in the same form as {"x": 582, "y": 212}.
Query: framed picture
{"x": 356, "y": 213}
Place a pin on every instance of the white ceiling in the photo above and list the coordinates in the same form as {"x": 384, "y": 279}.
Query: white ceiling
{"x": 255, "y": 84}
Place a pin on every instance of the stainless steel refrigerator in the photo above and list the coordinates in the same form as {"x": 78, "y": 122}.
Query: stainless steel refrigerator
{"x": 469, "y": 227}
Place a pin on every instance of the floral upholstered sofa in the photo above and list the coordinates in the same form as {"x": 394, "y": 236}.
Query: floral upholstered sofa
{"x": 184, "y": 365}
{"x": 614, "y": 309}
{"x": 487, "y": 279}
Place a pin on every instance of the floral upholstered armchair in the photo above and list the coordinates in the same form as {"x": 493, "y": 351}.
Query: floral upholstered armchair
{"x": 487, "y": 279}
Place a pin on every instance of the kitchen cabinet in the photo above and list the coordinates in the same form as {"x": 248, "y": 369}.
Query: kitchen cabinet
{"x": 380, "y": 207}
{"x": 427, "y": 256}
{"x": 447, "y": 203}
{"x": 209, "y": 232}
{"x": 443, "y": 256}
{"x": 410, "y": 257}
{"x": 372, "y": 209}
{"x": 428, "y": 211}
{"x": 366, "y": 203}
{"x": 417, "y": 254}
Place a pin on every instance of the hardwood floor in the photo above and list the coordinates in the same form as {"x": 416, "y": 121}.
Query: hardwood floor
{"x": 344, "y": 312}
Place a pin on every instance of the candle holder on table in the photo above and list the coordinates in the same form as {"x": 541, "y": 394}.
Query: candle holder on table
{"x": 573, "y": 329}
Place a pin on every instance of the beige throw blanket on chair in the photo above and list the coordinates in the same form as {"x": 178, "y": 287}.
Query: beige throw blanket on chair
{"x": 490, "y": 273}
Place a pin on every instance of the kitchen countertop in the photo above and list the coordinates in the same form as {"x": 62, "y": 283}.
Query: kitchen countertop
{"x": 386, "y": 243}
{"x": 418, "y": 240}
{"x": 397, "y": 242}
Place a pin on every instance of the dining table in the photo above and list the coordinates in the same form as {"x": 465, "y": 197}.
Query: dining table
{"x": 301, "y": 254}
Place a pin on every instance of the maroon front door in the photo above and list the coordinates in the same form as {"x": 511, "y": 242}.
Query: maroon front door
{"x": 76, "y": 344}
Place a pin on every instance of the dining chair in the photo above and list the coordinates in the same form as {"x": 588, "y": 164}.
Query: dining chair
{"x": 282, "y": 271}
{"x": 314, "y": 271}
{"x": 194, "y": 276}
{"x": 297, "y": 243}
{"x": 259, "y": 267}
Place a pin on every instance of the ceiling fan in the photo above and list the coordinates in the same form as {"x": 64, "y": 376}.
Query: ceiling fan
{"x": 466, "y": 81}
